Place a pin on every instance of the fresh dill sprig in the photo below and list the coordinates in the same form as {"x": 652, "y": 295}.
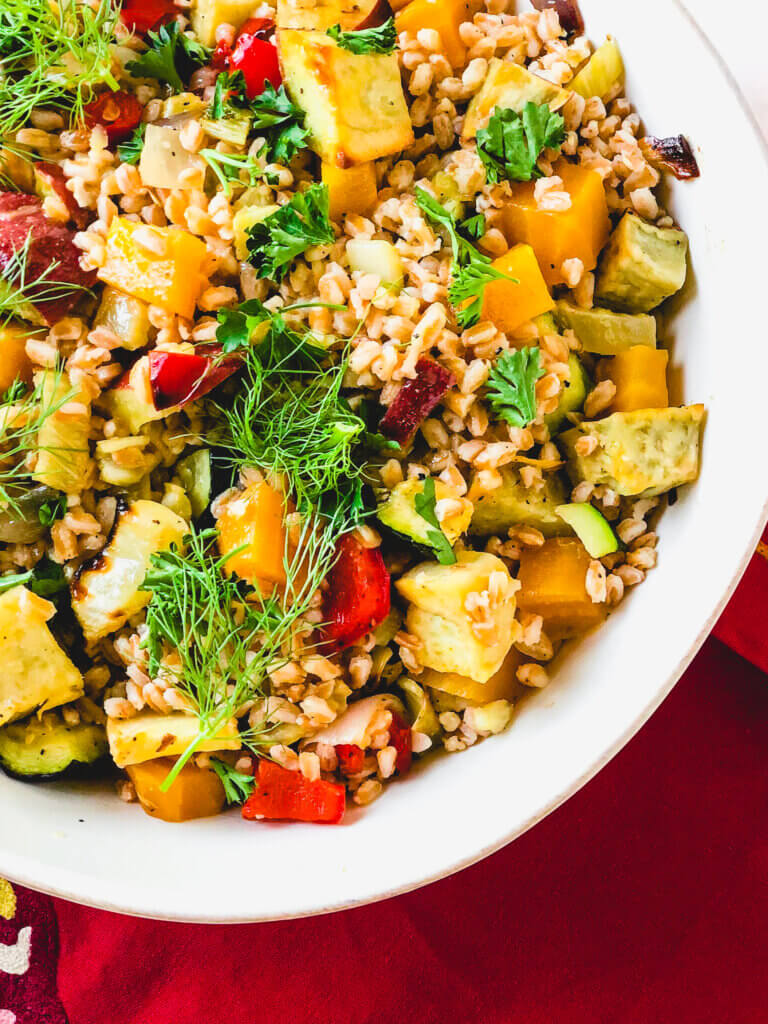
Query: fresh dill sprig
{"x": 53, "y": 55}
{"x": 235, "y": 168}
{"x": 380, "y": 39}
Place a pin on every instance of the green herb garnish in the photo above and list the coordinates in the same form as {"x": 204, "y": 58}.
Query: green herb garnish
{"x": 237, "y": 785}
{"x": 50, "y": 511}
{"x": 511, "y": 144}
{"x": 275, "y": 242}
{"x": 130, "y": 150}
{"x": 382, "y": 39}
{"x": 232, "y": 168}
{"x": 171, "y": 57}
{"x": 48, "y": 579}
{"x": 280, "y": 122}
{"x": 228, "y": 95}
{"x": 512, "y": 385}
{"x": 424, "y": 503}
{"x": 19, "y": 291}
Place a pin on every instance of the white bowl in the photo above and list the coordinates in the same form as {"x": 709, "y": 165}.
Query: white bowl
{"x": 83, "y": 844}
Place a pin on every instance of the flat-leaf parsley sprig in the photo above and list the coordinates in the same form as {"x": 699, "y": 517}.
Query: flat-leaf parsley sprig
{"x": 171, "y": 57}
{"x": 381, "y": 39}
{"x": 511, "y": 143}
{"x": 511, "y": 386}
{"x": 275, "y": 242}
{"x": 471, "y": 270}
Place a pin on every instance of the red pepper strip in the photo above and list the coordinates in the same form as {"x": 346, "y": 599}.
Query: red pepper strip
{"x": 350, "y": 757}
{"x": 117, "y": 112}
{"x": 283, "y": 795}
{"x": 358, "y": 596}
{"x": 143, "y": 15}
{"x": 415, "y": 400}
{"x": 221, "y": 56}
{"x": 400, "y": 739}
{"x": 256, "y": 57}
{"x": 180, "y": 377}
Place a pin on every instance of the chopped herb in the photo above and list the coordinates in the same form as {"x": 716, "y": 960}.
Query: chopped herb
{"x": 280, "y": 122}
{"x": 228, "y": 95}
{"x": 14, "y": 579}
{"x": 473, "y": 227}
{"x": 381, "y": 39}
{"x": 171, "y": 57}
{"x": 50, "y": 511}
{"x": 511, "y": 144}
{"x": 275, "y": 242}
{"x": 130, "y": 150}
{"x": 232, "y": 168}
{"x": 48, "y": 579}
{"x": 512, "y": 385}
{"x": 424, "y": 503}
{"x": 237, "y": 785}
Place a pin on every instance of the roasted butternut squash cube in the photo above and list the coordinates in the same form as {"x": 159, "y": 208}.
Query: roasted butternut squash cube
{"x": 444, "y": 16}
{"x": 321, "y": 15}
{"x": 207, "y": 15}
{"x": 509, "y": 86}
{"x": 350, "y": 190}
{"x": 15, "y": 364}
{"x": 254, "y": 521}
{"x": 640, "y": 376}
{"x": 162, "y": 266}
{"x": 64, "y": 459}
{"x": 194, "y": 793}
{"x": 553, "y": 584}
{"x": 501, "y": 686}
{"x": 354, "y": 103}
{"x": 148, "y": 735}
{"x": 510, "y": 304}
{"x": 579, "y": 232}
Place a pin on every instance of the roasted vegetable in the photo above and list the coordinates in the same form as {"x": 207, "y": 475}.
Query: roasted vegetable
{"x": 399, "y": 513}
{"x": 571, "y": 397}
{"x": 445, "y": 17}
{"x": 508, "y": 304}
{"x": 283, "y": 795}
{"x": 147, "y": 736}
{"x": 207, "y": 15}
{"x": 512, "y": 504}
{"x": 357, "y": 598}
{"x": 46, "y": 747}
{"x": 63, "y": 456}
{"x": 20, "y": 522}
{"x": 642, "y": 266}
{"x": 323, "y": 14}
{"x": 673, "y": 154}
{"x": 251, "y": 528}
{"x": 415, "y": 401}
{"x": 177, "y": 378}
{"x": 602, "y": 75}
{"x": 423, "y": 714}
{"x": 553, "y": 584}
{"x": 243, "y": 220}
{"x": 376, "y": 256}
{"x": 51, "y": 183}
{"x": 356, "y": 726}
{"x": 117, "y": 112}
{"x": 640, "y": 376}
{"x": 604, "y": 332}
{"x": 124, "y": 316}
{"x": 350, "y": 190}
{"x": 165, "y": 163}
{"x": 509, "y": 86}
{"x": 255, "y": 56}
{"x": 194, "y": 793}
{"x": 194, "y": 472}
{"x": 503, "y": 684}
{"x": 15, "y": 364}
{"x": 646, "y": 452}
{"x": 591, "y": 527}
{"x": 37, "y": 674}
{"x": 130, "y": 400}
{"x": 143, "y": 15}
{"x": 568, "y": 12}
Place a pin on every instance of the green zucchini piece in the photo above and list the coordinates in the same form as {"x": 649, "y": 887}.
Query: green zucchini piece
{"x": 47, "y": 747}
{"x": 591, "y": 527}
{"x": 385, "y": 631}
{"x": 420, "y": 707}
{"x": 642, "y": 266}
{"x": 398, "y": 513}
{"x": 604, "y": 332}
{"x": 512, "y": 504}
{"x": 20, "y": 521}
{"x": 194, "y": 473}
{"x": 572, "y": 398}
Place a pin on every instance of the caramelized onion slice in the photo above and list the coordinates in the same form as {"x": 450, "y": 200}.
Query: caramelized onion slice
{"x": 673, "y": 154}
{"x": 571, "y": 20}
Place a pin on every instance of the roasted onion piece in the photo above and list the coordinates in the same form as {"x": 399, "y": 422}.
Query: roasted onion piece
{"x": 673, "y": 154}
{"x": 571, "y": 20}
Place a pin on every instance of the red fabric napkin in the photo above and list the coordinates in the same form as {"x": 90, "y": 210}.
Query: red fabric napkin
{"x": 743, "y": 623}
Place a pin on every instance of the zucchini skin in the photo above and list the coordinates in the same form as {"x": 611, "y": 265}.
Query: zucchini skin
{"x": 40, "y": 751}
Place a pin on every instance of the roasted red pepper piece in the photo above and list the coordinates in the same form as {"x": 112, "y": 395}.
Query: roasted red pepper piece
{"x": 256, "y": 57}
{"x": 673, "y": 154}
{"x": 350, "y": 758}
{"x": 358, "y": 596}
{"x": 415, "y": 400}
{"x": 400, "y": 739}
{"x": 143, "y": 15}
{"x": 283, "y": 795}
{"x": 180, "y": 377}
{"x": 568, "y": 11}
{"x": 117, "y": 112}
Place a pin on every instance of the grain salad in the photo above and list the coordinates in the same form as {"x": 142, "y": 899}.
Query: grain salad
{"x": 333, "y": 391}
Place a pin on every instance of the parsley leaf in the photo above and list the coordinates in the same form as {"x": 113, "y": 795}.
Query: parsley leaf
{"x": 471, "y": 271}
{"x": 511, "y": 143}
{"x": 474, "y": 227}
{"x": 48, "y": 578}
{"x": 50, "y": 511}
{"x": 275, "y": 242}
{"x": 229, "y": 167}
{"x": 171, "y": 57}
{"x": 512, "y": 385}
{"x": 281, "y": 123}
{"x": 236, "y": 326}
{"x": 381, "y": 39}
{"x": 237, "y": 785}
{"x": 228, "y": 95}
{"x": 130, "y": 150}
{"x": 424, "y": 503}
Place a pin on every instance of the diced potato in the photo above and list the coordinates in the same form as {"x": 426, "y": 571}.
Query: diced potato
{"x": 354, "y": 103}
{"x": 350, "y": 190}
{"x": 15, "y": 364}
{"x": 148, "y": 735}
{"x": 194, "y": 793}
{"x": 602, "y": 75}
{"x": 323, "y": 14}
{"x": 444, "y": 16}
{"x": 553, "y": 584}
{"x": 162, "y": 266}
{"x": 510, "y": 304}
{"x": 646, "y": 452}
{"x": 63, "y": 458}
{"x": 254, "y": 520}
{"x": 503, "y": 685}
{"x": 642, "y": 266}
{"x": 107, "y": 591}
{"x": 37, "y": 674}
{"x": 245, "y": 218}
{"x": 125, "y": 316}
{"x": 130, "y": 400}
{"x": 640, "y": 376}
{"x": 509, "y": 86}
{"x": 578, "y": 232}
{"x": 512, "y": 504}
{"x": 375, "y": 256}
{"x": 165, "y": 163}
{"x": 207, "y": 15}
{"x": 441, "y": 614}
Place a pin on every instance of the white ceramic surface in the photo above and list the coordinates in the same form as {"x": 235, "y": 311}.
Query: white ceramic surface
{"x": 83, "y": 844}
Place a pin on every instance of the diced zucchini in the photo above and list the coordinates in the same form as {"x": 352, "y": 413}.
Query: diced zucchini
{"x": 207, "y": 15}
{"x": 194, "y": 472}
{"x": 512, "y": 504}
{"x": 46, "y": 747}
{"x": 420, "y": 707}
{"x": 386, "y": 631}
{"x": 63, "y": 456}
{"x": 571, "y": 397}
{"x": 149, "y": 735}
{"x": 646, "y": 452}
{"x": 510, "y": 86}
{"x": 125, "y": 316}
{"x": 642, "y": 266}
{"x": 399, "y": 514}
{"x": 107, "y": 591}
{"x": 165, "y": 163}
{"x": 604, "y": 332}
{"x": 602, "y": 75}
{"x": 233, "y": 129}
{"x": 244, "y": 219}
{"x": 37, "y": 674}
{"x": 376, "y": 256}
{"x": 591, "y": 527}
{"x": 354, "y": 103}
{"x": 20, "y": 522}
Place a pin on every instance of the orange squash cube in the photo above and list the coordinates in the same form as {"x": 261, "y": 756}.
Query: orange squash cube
{"x": 501, "y": 686}
{"x": 444, "y": 16}
{"x": 14, "y": 361}
{"x": 553, "y": 584}
{"x": 162, "y": 266}
{"x": 640, "y": 376}
{"x": 508, "y": 305}
{"x": 579, "y": 232}
{"x": 350, "y": 189}
{"x": 194, "y": 793}
{"x": 254, "y": 522}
